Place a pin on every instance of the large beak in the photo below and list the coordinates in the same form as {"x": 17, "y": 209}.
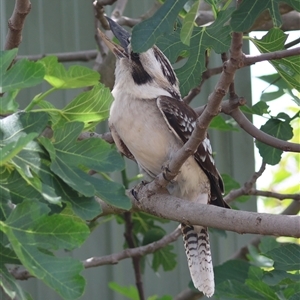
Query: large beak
{"x": 121, "y": 34}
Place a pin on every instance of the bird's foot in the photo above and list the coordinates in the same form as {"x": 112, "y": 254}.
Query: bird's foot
{"x": 137, "y": 188}
{"x": 166, "y": 172}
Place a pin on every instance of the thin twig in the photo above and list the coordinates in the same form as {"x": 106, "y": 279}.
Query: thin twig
{"x": 85, "y": 55}
{"x": 270, "y": 194}
{"x": 252, "y": 59}
{"x": 247, "y": 186}
{"x": 104, "y": 136}
{"x": 205, "y": 75}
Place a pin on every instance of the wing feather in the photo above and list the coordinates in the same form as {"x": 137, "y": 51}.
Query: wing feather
{"x": 181, "y": 119}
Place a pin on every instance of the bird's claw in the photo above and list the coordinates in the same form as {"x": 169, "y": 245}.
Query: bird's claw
{"x": 165, "y": 171}
{"x": 136, "y": 189}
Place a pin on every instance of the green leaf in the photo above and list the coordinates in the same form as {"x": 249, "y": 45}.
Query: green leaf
{"x": 260, "y": 108}
{"x": 30, "y": 231}
{"x": 232, "y": 289}
{"x": 271, "y": 95}
{"x": 6, "y": 58}
{"x": 18, "y": 130}
{"x": 288, "y": 68}
{"x": 13, "y": 187}
{"x": 217, "y": 37}
{"x": 220, "y": 123}
{"x": 231, "y": 270}
{"x": 286, "y": 257}
{"x": 22, "y": 74}
{"x": 129, "y": 292}
{"x": 111, "y": 192}
{"x": 8, "y": 256}
{"x": 296, "y": 296}
{"x": 249, "y": 10}
{"x": 153, "y": 235}
{"x": 12, "y": 149}
{"x": 164, "y": 257}
{"x": 54, "y": 113}
{"x": 279, "y": 129}
{"x": 145, "y": 34}
{"x": 188, "y": 24}
{"x": 10, "y": 285}
{"x": 171, "y": 44}
{"x": 69, "y": 156}
{"x": 275, "y": 277}
{"x": 74, "y": 77}
{"x": 8, "y": 104}
{"x": 256, "y": 284}
{"x": 268, "y": 243}
{"x": 89, "y": 107}
{"x": 92, "y": 153}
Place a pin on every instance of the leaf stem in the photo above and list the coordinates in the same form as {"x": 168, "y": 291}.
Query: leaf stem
{"x": 39, "y": 98}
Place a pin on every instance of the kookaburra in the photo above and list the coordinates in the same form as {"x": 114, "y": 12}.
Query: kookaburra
{"x": 150, "y": 122}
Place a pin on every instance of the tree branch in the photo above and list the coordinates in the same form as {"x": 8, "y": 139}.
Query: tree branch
{"x": 135, "y": 259}
{"x": 16, "y": 24}
{"x": 261, "y": 136}
{"x": 247, "y": 186}
{"x": 252, "y": 59}
{"x": 85, "y": 55}
{"x": 231, "y": 108}
{"x": 166, "y": 206}
{"x": 114, "y": 258}
{"x": 270, "y": 194}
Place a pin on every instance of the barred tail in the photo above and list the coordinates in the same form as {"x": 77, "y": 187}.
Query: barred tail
{"x": 197, "y": 249}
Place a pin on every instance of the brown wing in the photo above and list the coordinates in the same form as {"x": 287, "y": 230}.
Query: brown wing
{"x": 181, "y": 119}
{"x": 120, "y": 144}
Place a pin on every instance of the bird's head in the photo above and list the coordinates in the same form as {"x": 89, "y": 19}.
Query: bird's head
{"x": 148, "y": 74}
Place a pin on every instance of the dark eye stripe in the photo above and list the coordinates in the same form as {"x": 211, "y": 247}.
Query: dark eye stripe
{"x": 139, "y": 75}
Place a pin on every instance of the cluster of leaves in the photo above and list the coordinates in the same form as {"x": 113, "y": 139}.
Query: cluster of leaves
{"x": 46, "y": 194}
{"x": 271, "y": 271}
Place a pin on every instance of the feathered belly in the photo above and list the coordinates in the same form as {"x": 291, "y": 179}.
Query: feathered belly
{"x": 147, "y": 138}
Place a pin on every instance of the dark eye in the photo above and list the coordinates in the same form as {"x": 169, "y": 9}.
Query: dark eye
{"x": 134, "y": 55}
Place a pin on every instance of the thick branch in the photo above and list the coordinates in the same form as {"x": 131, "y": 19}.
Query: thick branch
{"x": 166, "y": 206}
{"x": 16, "y": 24}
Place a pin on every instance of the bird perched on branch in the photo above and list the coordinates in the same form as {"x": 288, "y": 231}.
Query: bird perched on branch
{"x": 150, "y": 122}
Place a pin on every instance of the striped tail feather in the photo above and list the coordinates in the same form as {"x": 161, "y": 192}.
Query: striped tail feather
{"x": 197, "y": 249}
